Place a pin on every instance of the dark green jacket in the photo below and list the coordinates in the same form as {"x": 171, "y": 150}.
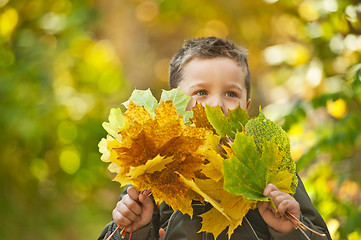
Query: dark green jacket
{"x": 180, "y": 226}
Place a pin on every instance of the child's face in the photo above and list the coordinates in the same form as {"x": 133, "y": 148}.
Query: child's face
{"x": 215, "y": 81}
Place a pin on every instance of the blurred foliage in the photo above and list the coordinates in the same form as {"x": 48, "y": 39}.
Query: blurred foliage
{"x": 64, "y": 64}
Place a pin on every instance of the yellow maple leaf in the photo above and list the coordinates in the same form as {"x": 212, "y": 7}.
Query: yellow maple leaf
{"x": 235, "y": 207}
{"x": 156, "y": 164}
{"x": 228, "y": 209}
{"x": 282, "y": 181}
{"x": 200, "y": 118}
{"x": 207, "y": 198}
{"x": 215, "y": 222}
{"x": 213, "y": 167}
{"x": 151, "y": 149}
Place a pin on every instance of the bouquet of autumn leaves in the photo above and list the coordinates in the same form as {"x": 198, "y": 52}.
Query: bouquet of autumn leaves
{"x": 197, "y": 155}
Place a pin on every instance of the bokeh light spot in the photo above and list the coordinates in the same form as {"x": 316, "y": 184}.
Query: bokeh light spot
{"x": 293, "y": 54}
{"x": 8, "y": 21}
{"x": 333, "y": 225}
{"x": 337, "y": 109}
{"x": 308, "y": 11}
{"x": 349, "y": 190}
{"x": 53, "y": 23}
{"x": 354, "y": 236}
{"x": 214, "y": 28}
{"x": 147, "y": 11}
{"x": 100, "y": 54}
{"x": 297, "y": 152}
{"x": 350, "y": 42}
{"x": 39, "y": 169}
{"x": 270, "y": 1}
{"x": 351, "y": 12}
{"x": 314, "y": 30}
{"x": 337, "y": 44}
{"x": 330, "y": 5}
{"x": 314, "y": 73}
{"x": 274, "y": 55}
{"x": 340, "y": 64}
{"x": 3, "y": 2}
{"x": 69, "y": 161}
{"x": 297, "y": 54}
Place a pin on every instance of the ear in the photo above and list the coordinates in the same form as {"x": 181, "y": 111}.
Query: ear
{"x": 248, "y": 104}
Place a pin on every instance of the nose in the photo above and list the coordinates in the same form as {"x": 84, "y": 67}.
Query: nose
{"x": 217, "y": 101}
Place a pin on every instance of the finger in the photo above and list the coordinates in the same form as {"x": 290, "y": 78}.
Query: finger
{"x": 266, "y": 210}
{"x": 132, "y": 205}
{"x": 161, "y": 233}
{"x": 284, "y": 206}
{"x": 147, "y": 206}
{"x": 268, "y": 189}
{"x": 127, "y": 212}
{"x": 120, "y": 220}
{"x": 278, "y": 196}
{"x": 289, "y": 205}
{"x": 133, "y": 193}
{"x": 145, "y": 200}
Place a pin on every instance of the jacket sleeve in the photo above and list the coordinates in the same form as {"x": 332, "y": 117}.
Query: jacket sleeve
{"x": 309, "y": 216}
{"x": 145, "y": 233}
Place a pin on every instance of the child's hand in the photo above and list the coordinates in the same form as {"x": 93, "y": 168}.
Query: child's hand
{"x": 134, "y": 208}
{"x": 283, "y": 202}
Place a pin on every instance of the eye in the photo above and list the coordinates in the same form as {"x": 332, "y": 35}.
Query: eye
{"x": 231, "y": 94}
{"x": 201, "y": 93}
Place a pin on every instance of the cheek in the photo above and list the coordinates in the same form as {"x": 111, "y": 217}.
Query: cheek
{"x": 243, "y": 105}
{"x": 232, "y": 104}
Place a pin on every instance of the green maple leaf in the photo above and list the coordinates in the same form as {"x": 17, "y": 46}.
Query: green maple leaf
{"x": 246, "y": 173}
{"x": 146, "y": 99}
{"x": 180, "y": 100}
{"x": 227, "y": 125}
{"x": 143, "y": 98}
{"x": 218, "y": 120}
{"x": 238, "y": 118}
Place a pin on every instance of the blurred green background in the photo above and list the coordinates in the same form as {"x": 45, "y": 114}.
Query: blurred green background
{"x": 64, "y": 64}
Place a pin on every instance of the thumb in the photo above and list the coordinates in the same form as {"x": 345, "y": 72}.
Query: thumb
{"x": 145, "y": 200}
{"x": 161, "y": 233}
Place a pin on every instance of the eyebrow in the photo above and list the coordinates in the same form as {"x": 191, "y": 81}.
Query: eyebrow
{"x": 235, "y": 86}
{"x": 198, "y": 84}
{"x": 205, "y": 84}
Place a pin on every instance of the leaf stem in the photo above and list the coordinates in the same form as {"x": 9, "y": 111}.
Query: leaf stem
{"x": 296, "y": 227}
{"x": 301, "y": 225}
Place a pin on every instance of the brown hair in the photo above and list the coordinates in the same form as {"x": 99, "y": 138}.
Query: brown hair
{"x": 208, "y": 47}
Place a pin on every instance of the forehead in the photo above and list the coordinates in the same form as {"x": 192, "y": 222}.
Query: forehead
{"x": 220, "y": 70}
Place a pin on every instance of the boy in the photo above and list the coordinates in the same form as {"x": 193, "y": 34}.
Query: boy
{"x": 214, "y": 71}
